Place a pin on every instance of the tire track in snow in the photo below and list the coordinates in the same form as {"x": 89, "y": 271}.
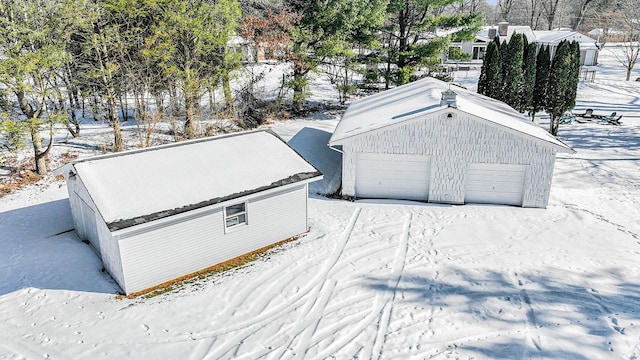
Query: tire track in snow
{"x": 246, "y": 329}
{"x": 381, "y": 309}
{"x": 398, "y": 266}
{"x": 310, "y": 325}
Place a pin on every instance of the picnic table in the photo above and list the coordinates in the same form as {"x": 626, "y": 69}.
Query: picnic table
{"x": 588, "y": 115}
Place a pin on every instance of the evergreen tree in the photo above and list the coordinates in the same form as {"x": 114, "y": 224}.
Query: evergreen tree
{"x": 324, "y": 29}
{"x": 191, "y": 39}
{"x": 33, "y": 46}
{"x": 486, "y": 71}
{"x": 494, "y": 72}
{"x": 410, "y": 40}
{"x": 490, "y": 80}
{"x": 574, "y": 75}
{"x": 543, "y": 62}
{"x": 512, "y": 67}
{"x": 559, "y": 85}
{"x": 528, "y": 79}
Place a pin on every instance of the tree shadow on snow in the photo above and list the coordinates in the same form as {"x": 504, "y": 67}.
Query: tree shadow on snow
{"x": 602, "y": 137}
{"x": 41, "y": 250}
{"x": 579, "y": 320}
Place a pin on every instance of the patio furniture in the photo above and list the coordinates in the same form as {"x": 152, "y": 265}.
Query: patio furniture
{"x": 567, "y": 118}
{"x": 613, "y": 119}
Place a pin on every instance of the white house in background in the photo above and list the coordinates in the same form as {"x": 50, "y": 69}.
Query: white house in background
{"x": 552, "y": 38}
{"x": 477, "y": 48}
{"x": 157, "y": 214}
{"x": 424, "y": 141}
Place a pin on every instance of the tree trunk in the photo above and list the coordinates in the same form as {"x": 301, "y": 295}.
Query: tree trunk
{"x": 189, "y": 124}
{"x": 298, "y": 89}
{"x": 403, "y": 76}
{"x": 124, "y": 109}
{"x": 114, "y": 121}
{"x": 117, "y": 138}
{"x": 553, "y": 124}
{"x": 226, "y": 88}
{"x": 38, "y": 152}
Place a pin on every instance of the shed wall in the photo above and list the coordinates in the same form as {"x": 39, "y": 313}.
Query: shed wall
{"x": 91, "y": 227}
{"x": 181, "y": 245}
{"x": 452, "y": 145}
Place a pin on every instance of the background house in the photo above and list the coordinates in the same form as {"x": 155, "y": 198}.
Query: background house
{"x": 424, "y": 141}
{"x": 160, "y": 213}
{"x": 477, "y": 47}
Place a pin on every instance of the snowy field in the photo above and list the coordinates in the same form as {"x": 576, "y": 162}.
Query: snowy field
{"x": 372, "y": 279}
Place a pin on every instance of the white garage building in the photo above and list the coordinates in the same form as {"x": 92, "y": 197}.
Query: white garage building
{"x": 424, "y": 141}
{"x": 157, "y": 214}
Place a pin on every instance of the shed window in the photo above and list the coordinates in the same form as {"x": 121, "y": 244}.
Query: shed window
{"x": 235, "y": 215}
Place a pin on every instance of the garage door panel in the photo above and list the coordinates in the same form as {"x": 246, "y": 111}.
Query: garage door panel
{"x": 495, "y": 183}
{"x": 400, "y": 176}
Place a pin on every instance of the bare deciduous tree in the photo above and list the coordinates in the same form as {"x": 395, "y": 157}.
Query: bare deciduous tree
{"x": 550, "y": 8}
{"x": 629, "y": 50}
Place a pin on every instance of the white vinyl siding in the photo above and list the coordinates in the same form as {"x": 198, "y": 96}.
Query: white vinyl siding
{"x": 396, "y": 176}
{"x": 495, "y": 184}
{"x": 90, "y": 226}
{"x": 452, "y": 144}
{"x": 181, "y": 245}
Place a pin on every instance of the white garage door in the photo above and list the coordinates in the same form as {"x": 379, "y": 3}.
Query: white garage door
{"x": 393, "y": 176}
{"x": 495, "y": 184}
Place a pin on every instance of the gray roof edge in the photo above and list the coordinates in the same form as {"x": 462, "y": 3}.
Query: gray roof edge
{"x": 305, "y": 177}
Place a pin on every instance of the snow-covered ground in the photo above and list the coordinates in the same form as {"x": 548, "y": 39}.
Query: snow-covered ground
{"x": 372, "y": 279}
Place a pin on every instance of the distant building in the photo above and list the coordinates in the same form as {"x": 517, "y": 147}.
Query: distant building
{"x": 426, "y": 141}
{"x": 477, "y": 47}
{"x": 160, "y": 213}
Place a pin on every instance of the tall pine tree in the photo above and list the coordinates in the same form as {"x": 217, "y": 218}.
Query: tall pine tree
{"x": 560, "y": 83}
{"x": 324, "y": 29}
{"x": 574, "y": 75}
{"x": 512, "y": 70}
{"x": 410, "y": 39}
{"x": 543, "y": 62}
{"x": 490, "y": 82}
{"x": 528, "y": 83}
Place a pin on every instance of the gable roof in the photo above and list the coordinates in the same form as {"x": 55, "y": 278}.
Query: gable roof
{"x": 423, "y": 97}
{"x": 138, "y": 186}
{"x": 553, "y": 37}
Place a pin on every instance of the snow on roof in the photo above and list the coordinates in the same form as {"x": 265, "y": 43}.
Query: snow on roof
{"x": 483, "y": 34}
{"x": 423, "y": 97}
{"x": 142, "y": 185}
{"x": 539, "y": 36}
{"x": 555, "y": 36}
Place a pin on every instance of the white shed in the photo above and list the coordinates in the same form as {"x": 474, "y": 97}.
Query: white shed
{"x": 157, "y": 214}
{"x": 424, "y": 141}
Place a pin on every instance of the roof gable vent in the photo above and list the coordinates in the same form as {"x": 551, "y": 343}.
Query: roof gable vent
{"x": 448, "y": 98}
